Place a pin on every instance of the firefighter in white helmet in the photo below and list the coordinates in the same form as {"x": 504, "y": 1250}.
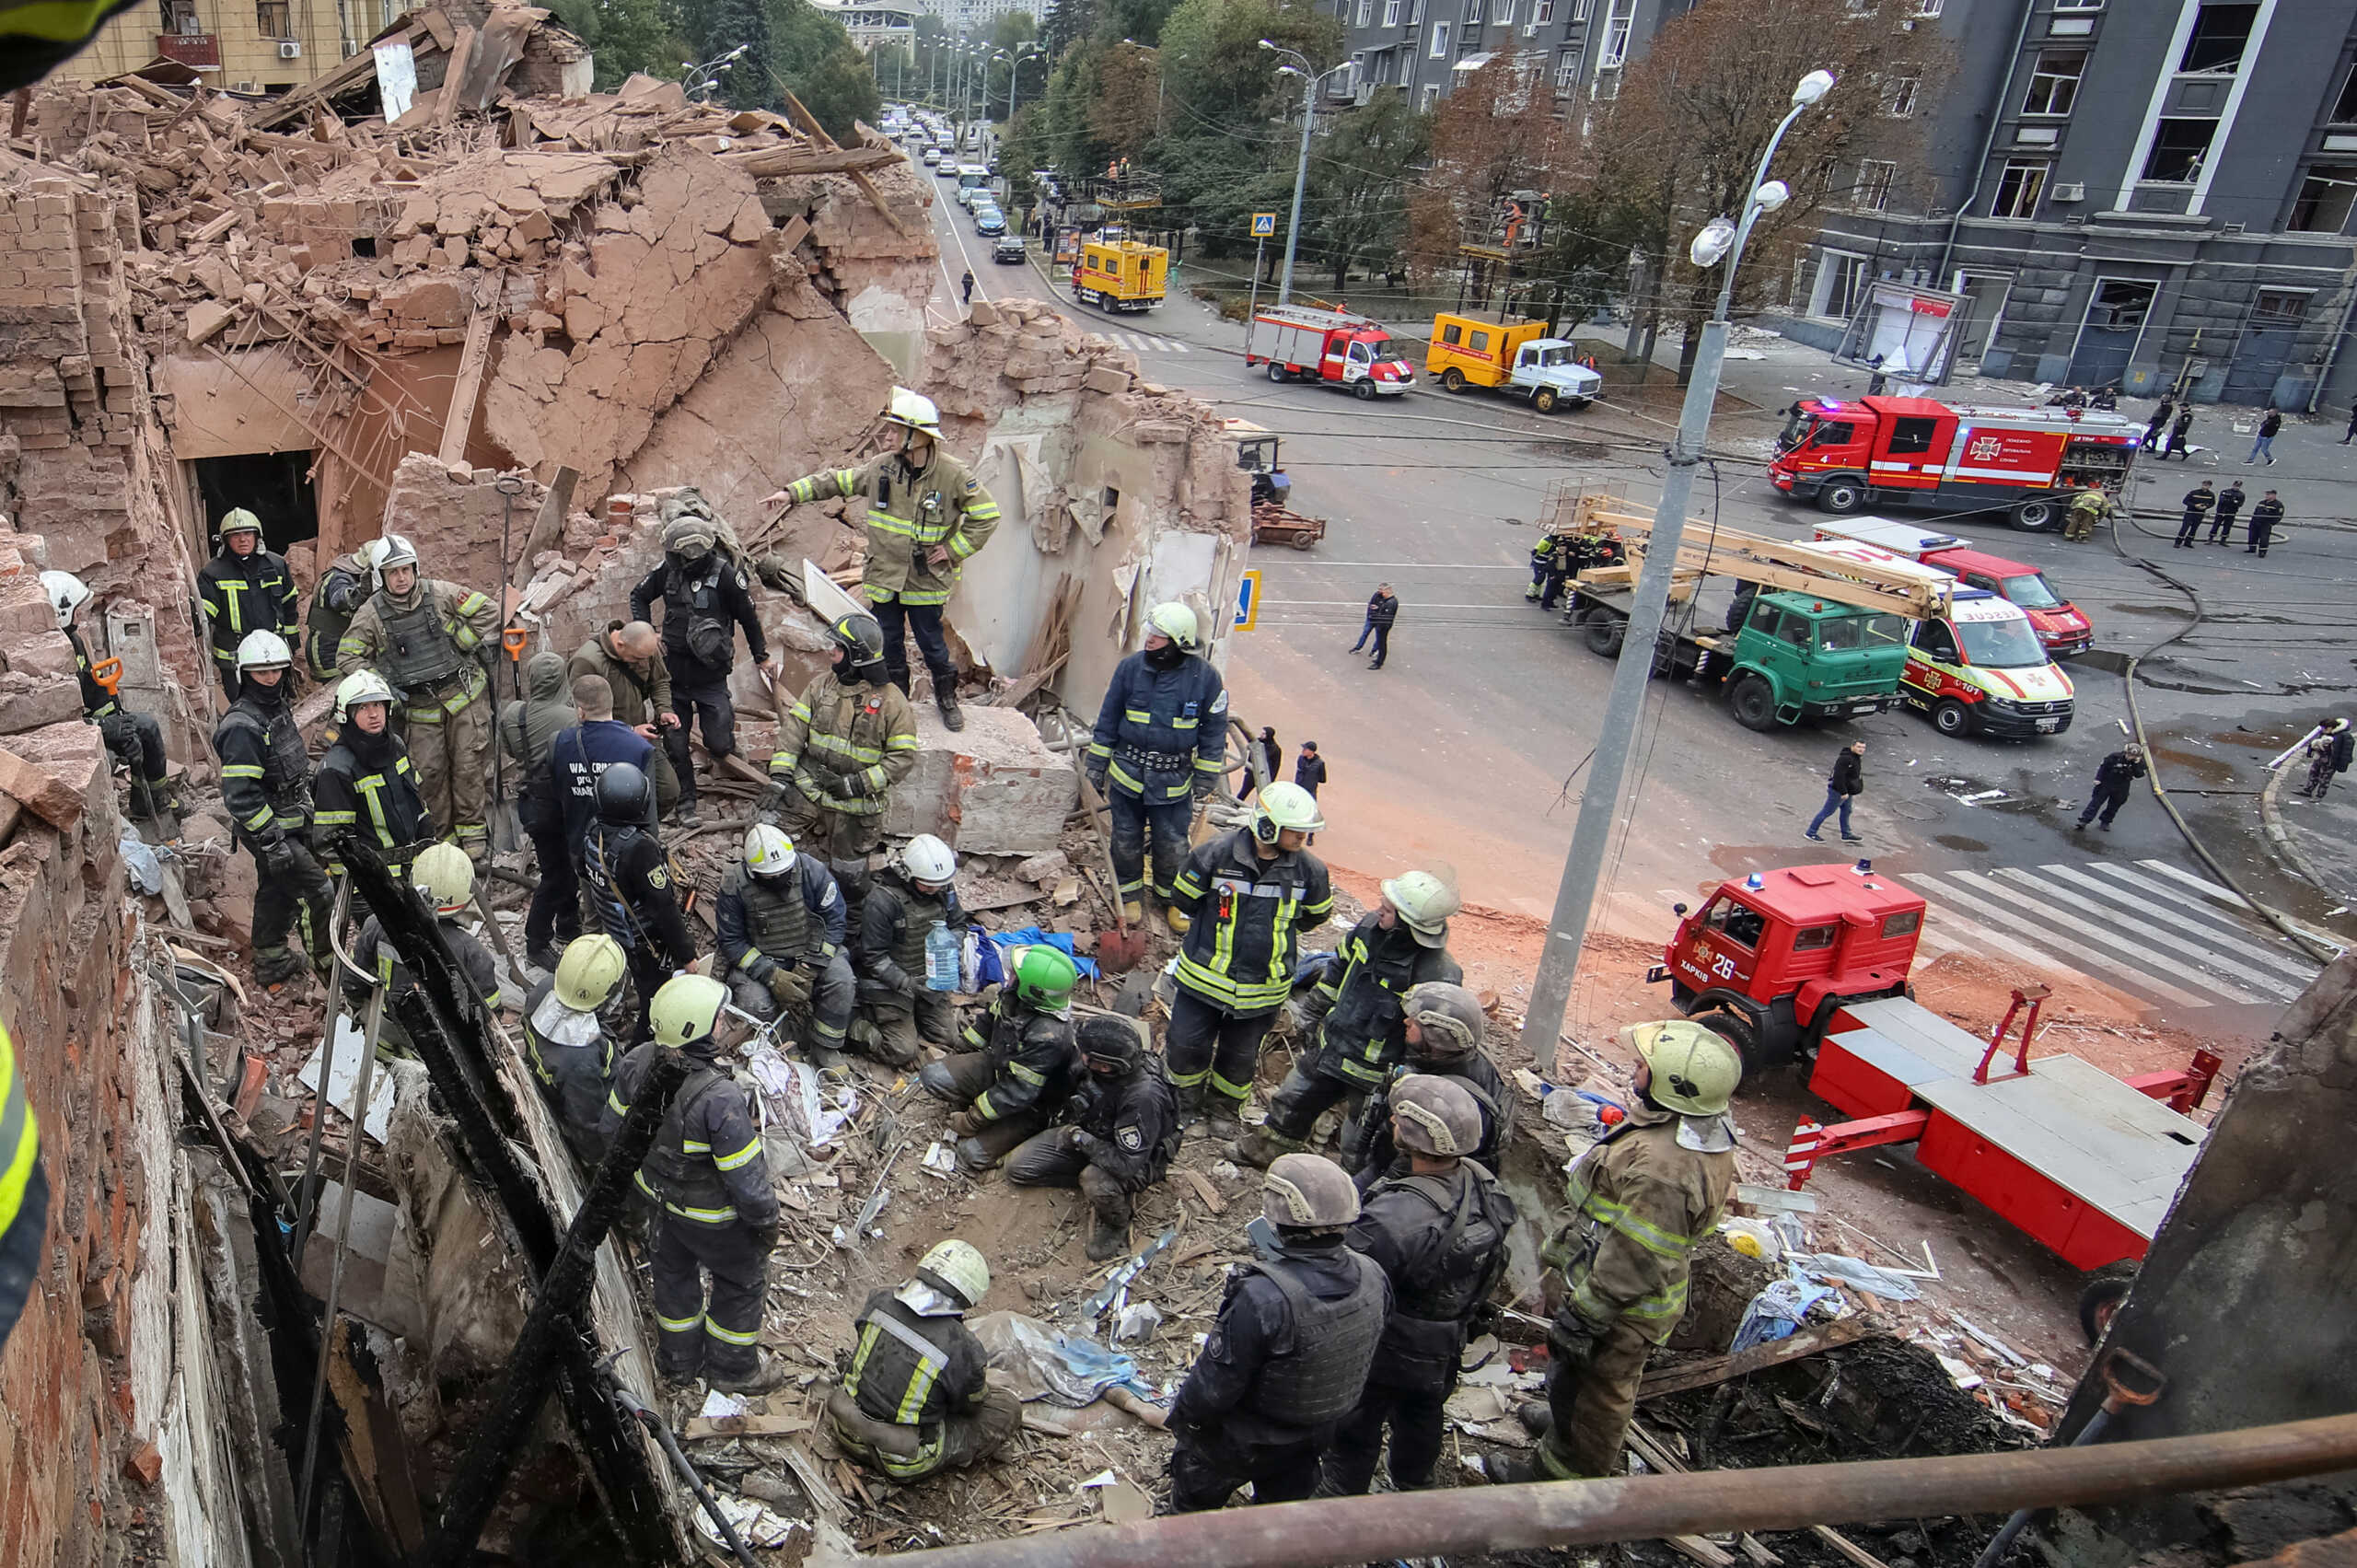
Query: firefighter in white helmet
{"x": 911, "y": 907}
{"x": 926, "y": 513}
{"x": 1160, "y": 742}
{"x": 365, "y": 784}
{"x": 135, "y": 740}
{"x": 266, "y": 787}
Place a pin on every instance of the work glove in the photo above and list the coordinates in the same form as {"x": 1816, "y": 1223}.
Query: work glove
{"x": 279, "y": 857}
{"x": 1560, "y": 1249}
{"x": 779, "y": 795}
{"x": 965, "y": 1123}
{"x": 1203, "y": 785}
{"x": 764, "y": 1239}
{"x": 790, "y": 987}
{"x": 1570, "y": 1343}
{"x": 1098, "y": 770}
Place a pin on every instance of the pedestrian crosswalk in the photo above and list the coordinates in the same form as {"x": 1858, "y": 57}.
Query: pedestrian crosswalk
{"x": 2148, "y": 928}
{"x": 1143, "y": 343}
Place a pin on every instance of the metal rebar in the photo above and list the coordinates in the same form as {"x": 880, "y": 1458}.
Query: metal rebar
{"x": 1473, "y": 1520}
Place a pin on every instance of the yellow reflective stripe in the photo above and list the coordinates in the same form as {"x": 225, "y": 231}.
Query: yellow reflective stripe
{"x": 240, "y": 771}
{"x": 705, "y": 1216}
{"x": 1137, "y": 715}
{"x": 960, "y": 546}
{"x": 1185, "y": 1080}
{"x": 370, "y": 787}
{"x": 1182, "y": 722}
{"x": 1209, "y": 765}
{"x": 921, "y": 599}
{"x": 19, "y": 1136}
{"x": 1653, "y": 1239}
{"x": 843, "y": 746}
{"x": 471, "y": 603}
{"x": 1098, "y": 748}
{"x": 1232, "y": 1090}
{"x": 750, "y": 954}
{"x": 884, "y": 522}
{"x": 336, "y": 819}
{"x": 614, "y": 1103}
{"x": 678, "y": 1325}
{"x": 730, "y": 1336}
{"x": 259, "y": 820}
{"x": 745, "y": 1156}
{"x": 931, "y": 1364}
{"x": 1123, "y": 777}
{"x": 875, "y": 779}
{"x": 901, "y": 743}
{"x": 982, "y": 1107}
{"x": 694, "y": 1146}
{"x": 1027, "y": 1074}
{"x": 1186, "y": 887}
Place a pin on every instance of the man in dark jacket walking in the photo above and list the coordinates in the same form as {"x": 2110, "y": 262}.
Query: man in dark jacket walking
{"x": 2198, "y": 502}
{"x": 1842, "y": 788}
{"x": 2179, "y": 445}
{"x": 2157, "y": 432}
{"x": 2114, "y": 777}
{"x": 2230, "y": 506}
{"x": 1382, "y": 609}
{"x": 2263, "y": 518}
{"x": 2330, "y": 750}
{"x": 1309, "y": 768}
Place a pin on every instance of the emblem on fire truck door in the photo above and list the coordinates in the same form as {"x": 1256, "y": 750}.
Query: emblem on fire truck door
{"x": 1984, "y": 448}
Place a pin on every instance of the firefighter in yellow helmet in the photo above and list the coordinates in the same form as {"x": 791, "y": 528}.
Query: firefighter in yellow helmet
{"x": 926, "y": 513}
{"x": 245, "y": 589}
{"x": 1641, "y": 1197}
{"x": 571, "y": 1020}
{"x": 915, "y": 1401}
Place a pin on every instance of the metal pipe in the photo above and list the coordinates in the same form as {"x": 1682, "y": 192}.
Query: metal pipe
{"x": 304, "y": 1191}
{"x": 1586, "y": 1513}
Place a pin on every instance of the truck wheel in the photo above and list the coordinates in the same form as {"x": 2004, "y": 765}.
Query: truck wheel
{"x": 1753, "y": 703}
{"x": 1453, "y": 379}
{"x": 1951, "y": 717}
{"x": 1840, "y": 495}
{"x": 2106, "y": 1288}
{"x": 1364, "y": 392}
{"x": 1277, "y": 372}
{"x": 1543, "y": 400}
{"x": 2037, "y": 517}
{"x": 1736, "y": 1030}
{"x": 1603, "y": 631}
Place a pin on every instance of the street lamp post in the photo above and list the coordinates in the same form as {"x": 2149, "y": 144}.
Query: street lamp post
{"x": 1310, "y": 77}
{"x": 1720, "y": 241}
{"x": 1015, "y": 68}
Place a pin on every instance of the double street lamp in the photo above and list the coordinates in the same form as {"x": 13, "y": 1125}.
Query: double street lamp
{"x": 1719, "y": 244}
{"x": 1297, "y": 65}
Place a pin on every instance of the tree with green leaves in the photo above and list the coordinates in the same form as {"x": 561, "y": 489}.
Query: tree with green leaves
{"x": 1361, "y": 169}
{"x": 627, "y": 37}
{"x": 815, "y": 58}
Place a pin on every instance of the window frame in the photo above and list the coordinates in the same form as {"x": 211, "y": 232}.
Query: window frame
{"x": 2054, "y": 83}
{"x": 2191, "y": 173}
{"x": 2342, "y": 178}
{"x": 2194, "y": 40}
{"x": 1871, "y": 190}
{"x": 1390, "y": 13}
{"x": 1620, "y": 23}
{"x": 1899, "y": 96}
{"x": 2035, "y": 174}
{"x": 1436, "y": 40}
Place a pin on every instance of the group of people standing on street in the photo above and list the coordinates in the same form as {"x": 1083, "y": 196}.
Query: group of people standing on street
{"x": 2206, "y": 504}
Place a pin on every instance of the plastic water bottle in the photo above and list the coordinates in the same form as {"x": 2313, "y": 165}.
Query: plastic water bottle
{"x": 940, "y": 958}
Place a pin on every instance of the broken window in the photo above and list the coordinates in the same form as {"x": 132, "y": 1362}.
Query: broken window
{"x": 2178, "y": 148}
{"x": 2054, "y": 85}
{"x": 272, "y": 20}
{"x": 1874, "y": 178}
{"x": 1898, "y": 96}
{"x": 2018, "y": 190}
{"x": 2220, "y": 33}
{"x": 180, "y": 16}
{"x": 2325, "y": 195}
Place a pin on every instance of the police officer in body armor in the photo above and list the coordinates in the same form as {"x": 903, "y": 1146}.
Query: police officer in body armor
{"x": 365, "y": 784}
{"x": 710, "y": 1181}
{"x": 840, "y": 747}
{"x": 706, "y": 596}
{"x": 266, "y": 787}
{"x": 1021, "y": 1064}
{"x": 1288, "y": 1357}
{"x": 629, "y": 883}
{"x": 336, "y": 597}
{"x": 1439, "y": 1234}
{"x": 578, "y": 757}
{"x": 135, "y": 740}
{"x": 1119, "y": 1132}
{"x": 427, "y": 638}
{"x": 1354, "y": 1014}
{"x": 1161, "y": 739}
{"x": 1444, "y": 1029}
{"x": 244, "y": 589}
{"x": 568, "y": 1043}
{"x": 914, "y": 1399}
{"x": 781, "y": 924}
{"x": 900, "y": 1013}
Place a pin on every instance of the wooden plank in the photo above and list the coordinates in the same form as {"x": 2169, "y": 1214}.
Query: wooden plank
{"x": 1656, "y": 1453}
{"x": 1722, "y": 1369}
{"x": 700, "y": 1427}
{"x": 462, "y": 55}
{"x": 468, "y": 388}
{"x": 773, "y": 161}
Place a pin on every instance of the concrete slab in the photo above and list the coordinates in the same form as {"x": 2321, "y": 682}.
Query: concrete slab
{"x": 993, "y": 788}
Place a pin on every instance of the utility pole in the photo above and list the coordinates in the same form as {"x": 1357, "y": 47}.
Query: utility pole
{"x": 1310, "y": 77}
{"x": 1550, "y": 989}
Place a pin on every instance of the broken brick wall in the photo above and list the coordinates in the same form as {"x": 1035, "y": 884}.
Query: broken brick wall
{"x": 459, "y": 519}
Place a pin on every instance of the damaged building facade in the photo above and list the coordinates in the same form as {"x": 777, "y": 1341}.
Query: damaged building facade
{"x": 505, "y": 321}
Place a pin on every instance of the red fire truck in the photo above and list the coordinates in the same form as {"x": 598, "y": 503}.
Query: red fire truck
{"x": 1844, "y": 454}
{"x": 1298, "y": 342}
{"x": 1813, "y": 959}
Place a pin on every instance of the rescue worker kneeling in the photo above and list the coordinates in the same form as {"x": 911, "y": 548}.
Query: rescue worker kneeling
{"x": 1288, "y": 1357}
{"x": 1022, "y": 1064}
{"x": 781, "y": 924}
{"x": 1439, "y": 1235}
{"x": 914, "y": 1400}
{"x": 1642, "y": 1196}
{"x": 1120, "y": 1131}
{"x": 717, "y": 1212}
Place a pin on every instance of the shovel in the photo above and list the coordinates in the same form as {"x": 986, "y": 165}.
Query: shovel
{"x": 1120, "y": 949}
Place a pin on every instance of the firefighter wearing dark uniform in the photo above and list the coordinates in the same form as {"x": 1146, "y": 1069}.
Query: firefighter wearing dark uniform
{"x": 1020, "y": 1064}
{"x": 427, "y": 638}
{"x": 1288, "y": 1356}
{"x": 1161, "y": 739}
{"x": 1353, "y": 1016}
{"x": 716, "y": 1210}
{"x": 629, "y": 884}
{"x": 1445, "y": 1027}
{"x": 579, "y": 757}
{"x": 914, "y": 1399}
{"x": 444, "y": 878}
{"x": 899, "y": 1012}
{"x": 336, "y": 597}
{"x": 135, "y": 740}
{"x": 567, "y": 1044}
{"x": 244, "y": 589}
{"x": 365, "y": 784}
{"x": 1248, "y": 895}
{"x": 707, "y": 595}
{"x": 1641, "y": 1199}
{"x": 23, "y": 1190}
{"x": 1119, "y": 1132}
{"x": 1439, "y": 1235}
{"x": 266, "y": 787}
{"x": 925, "y": 515}
{"x": 840, "y": 747}
{"x": 780, "y": 922}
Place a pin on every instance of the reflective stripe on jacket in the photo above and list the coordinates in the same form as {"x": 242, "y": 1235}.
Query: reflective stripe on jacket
{"x": 1247, "y": 916}
{"x": 1645, "y": 1202}
{"x": 909, "y": 514}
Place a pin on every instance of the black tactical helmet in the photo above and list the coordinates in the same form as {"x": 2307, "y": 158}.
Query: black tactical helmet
{"x": 860, "y": 638}
{"x": 624, "y": 797}
{"x": 1110, "y": 1042}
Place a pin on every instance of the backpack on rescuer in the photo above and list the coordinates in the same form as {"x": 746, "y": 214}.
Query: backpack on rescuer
{"x": 1472, "y": 1256}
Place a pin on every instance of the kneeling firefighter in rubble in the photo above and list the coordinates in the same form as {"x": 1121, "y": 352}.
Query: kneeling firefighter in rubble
{"x": 1020, "y": 1064}
{"x": 1642, "y": 1197}
{"x": 913, "y": 1400}
{"x": 1161, "y": 740}
{"x": 925, "y": 515}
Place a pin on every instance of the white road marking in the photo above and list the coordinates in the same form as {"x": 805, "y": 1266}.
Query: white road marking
{"x": 2144, "y": 939}
{"x": 2139, "y": 979}
{"x": 2134, "y": 960}
{"x": 2251, "y": 952}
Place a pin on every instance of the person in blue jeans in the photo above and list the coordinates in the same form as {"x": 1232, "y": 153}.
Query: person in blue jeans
{"x": 2265, "y": 446}
{"x": 1842, "y": 788}
{"x": 1382, "y": 608}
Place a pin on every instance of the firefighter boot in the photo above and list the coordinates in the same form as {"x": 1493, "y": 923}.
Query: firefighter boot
{"x": 1260, "y": 1147}
{"x": 1133, "y": 911}
{"x": 768, "y": 1376}
{"x": 277, "y": 966}
{"x": 1224, "y": 1114}
{"x": 1190, "y": 1103}
{"x": 952, "y": 716}
{"x": 1111, "y": 1236}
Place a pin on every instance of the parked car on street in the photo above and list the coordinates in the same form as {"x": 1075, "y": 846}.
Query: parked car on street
{"x": 1008, "y": 250}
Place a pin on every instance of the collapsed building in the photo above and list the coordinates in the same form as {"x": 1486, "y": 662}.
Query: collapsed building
{"x": 443, "y": 291}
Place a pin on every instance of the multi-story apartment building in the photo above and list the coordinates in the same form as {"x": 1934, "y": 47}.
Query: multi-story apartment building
{"x": 238, "y": 45}
{"x": 1425, "y": 47}
{"x": 2137, "y": 192}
